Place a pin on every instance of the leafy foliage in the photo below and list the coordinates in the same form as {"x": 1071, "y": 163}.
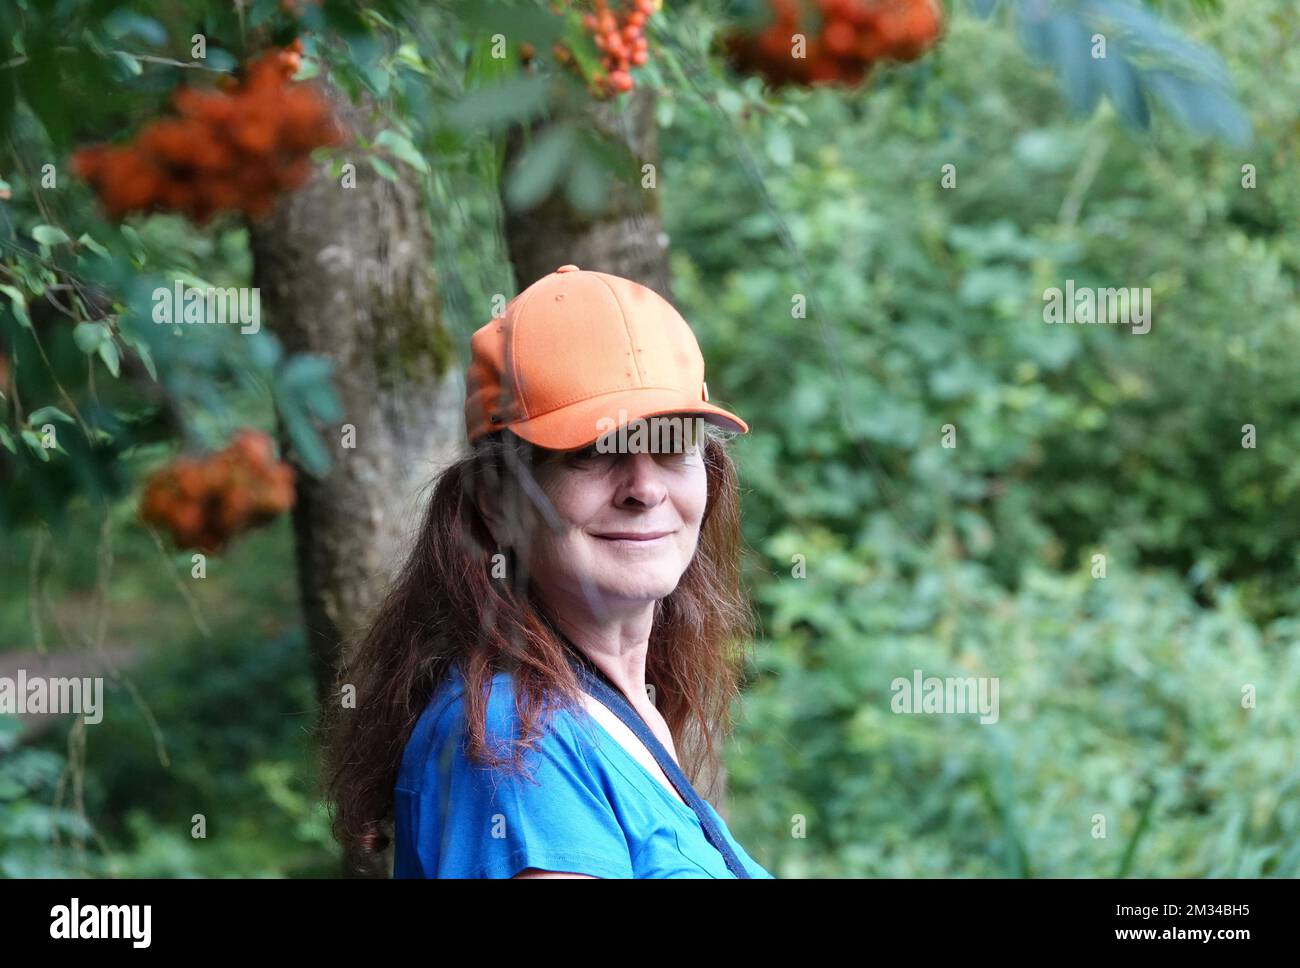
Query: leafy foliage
{"x": 1120, "y": 696}
{"x": 923, "y": 309}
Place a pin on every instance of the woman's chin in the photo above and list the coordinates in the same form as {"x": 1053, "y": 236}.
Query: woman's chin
{"x": 617, "y": 583}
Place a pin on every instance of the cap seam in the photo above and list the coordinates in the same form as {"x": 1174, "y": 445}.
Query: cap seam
{"x": 626, "y": 328}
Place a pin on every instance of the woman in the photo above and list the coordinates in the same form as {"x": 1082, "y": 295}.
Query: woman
{"x": 586, "y": 549}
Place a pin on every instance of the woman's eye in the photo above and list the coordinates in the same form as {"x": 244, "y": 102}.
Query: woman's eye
{"x": 683, "y": 452}
{"x": 592, "y": 454}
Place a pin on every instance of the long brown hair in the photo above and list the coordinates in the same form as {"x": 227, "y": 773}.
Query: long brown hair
{"x": 445, "y": 608}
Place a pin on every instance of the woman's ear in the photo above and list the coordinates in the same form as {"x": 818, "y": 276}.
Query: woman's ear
{"x": 502, "y": 498}
{"x": 505, "y": 512}
{"x": 489, "y": 502}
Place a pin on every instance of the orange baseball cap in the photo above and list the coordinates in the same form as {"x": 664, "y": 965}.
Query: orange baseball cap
{"x": 579, "y": 353}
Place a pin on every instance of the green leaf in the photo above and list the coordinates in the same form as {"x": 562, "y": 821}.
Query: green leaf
{"x": 780, "y": 147}
{"x": 380, "y": 19}
{"x": 306, "y": 441}
{"x": 49, "y": 235}
{"x": 146, "y": 357}
{"x": 264, "y": 350}
{"x": 402, "y": 149}
{"x": 109, "y": 354}
{"x": 133, "y": 239}
{"x": 408, "y": 55}
{"x": 1145, "y": 59}
{"x": 19, "y": 302}
{"x": 303, "y": 390}
{"x": 664, "y": 111}
{"x": 533, "y": 23}
{"x": 305, "y": 370}
{"x": 384, "y": 168}
{"x": 34, "y": 443}
{"x": 365, "y": 48}
{"x": 126, "y": 23}
{"x": 730, "y": 101}
{"x": 221, "y": 60}
{"x": 7, "y": 439}
{"x": 588, "y": 185}
{"x": 89, "y": 336}
{"x": 380, "y": 79}
{"x": 44, "y": 415}
{"x": 127, "y": 65}
{"x": 540, "y": 167}
{"x": 93, "y": 246}
{"x": 1144, "y": 820}
{"x": 500, "y": 105}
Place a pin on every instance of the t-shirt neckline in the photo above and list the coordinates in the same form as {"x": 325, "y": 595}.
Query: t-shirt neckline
{"x": 682, "y": 807}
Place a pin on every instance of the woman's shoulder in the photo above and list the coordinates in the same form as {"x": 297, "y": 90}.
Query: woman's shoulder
{"x": 443, "y": 724}
{"x": 501, "y": 709}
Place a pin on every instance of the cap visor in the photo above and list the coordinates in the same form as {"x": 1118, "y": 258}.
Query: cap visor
{"x": 583, "y": 423}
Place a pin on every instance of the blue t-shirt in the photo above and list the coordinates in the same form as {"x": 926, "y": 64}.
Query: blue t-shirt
{"x": 584, "y": 805}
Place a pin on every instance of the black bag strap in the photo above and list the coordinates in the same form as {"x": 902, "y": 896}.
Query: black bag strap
{"x": 599, "y": 686}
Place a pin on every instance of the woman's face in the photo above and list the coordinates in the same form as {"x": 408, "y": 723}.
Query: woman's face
{"x": 629, "y": 526}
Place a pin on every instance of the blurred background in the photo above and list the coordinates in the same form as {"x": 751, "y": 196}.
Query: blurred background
{"x": 932, "y": 470}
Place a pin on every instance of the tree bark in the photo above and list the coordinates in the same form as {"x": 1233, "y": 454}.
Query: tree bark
{"x": 627, "y": 239}
{"x": 348, "y": 273}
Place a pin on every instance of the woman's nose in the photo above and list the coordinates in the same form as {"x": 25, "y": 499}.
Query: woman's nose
{"x": 640, "y": 478}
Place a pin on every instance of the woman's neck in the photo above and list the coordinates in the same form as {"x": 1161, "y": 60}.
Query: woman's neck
{"x": 617, "y": 646}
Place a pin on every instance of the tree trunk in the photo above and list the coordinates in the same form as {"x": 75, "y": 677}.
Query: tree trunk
{"x": 348, "y": 273}
{"x": 627, "y": 239}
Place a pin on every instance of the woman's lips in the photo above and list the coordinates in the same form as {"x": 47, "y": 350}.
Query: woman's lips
{"x": 634, "y": 537}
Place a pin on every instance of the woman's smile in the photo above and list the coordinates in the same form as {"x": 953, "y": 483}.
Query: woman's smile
{"x": 634, "y": 537}
{"x": 636, "y": 543}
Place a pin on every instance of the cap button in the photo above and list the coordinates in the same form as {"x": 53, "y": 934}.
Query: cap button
{"x": 567, "y": 269}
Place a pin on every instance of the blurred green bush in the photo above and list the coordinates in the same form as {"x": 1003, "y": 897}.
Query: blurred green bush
{"x": 1121, "y": 696}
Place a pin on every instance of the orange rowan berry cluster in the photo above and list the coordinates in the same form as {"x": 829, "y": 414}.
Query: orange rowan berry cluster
{"x": 237, "y": 149}
{"x": 620, "y": 37}
{"x": 204, "y": 502}
{"x": 853, "y": 36}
